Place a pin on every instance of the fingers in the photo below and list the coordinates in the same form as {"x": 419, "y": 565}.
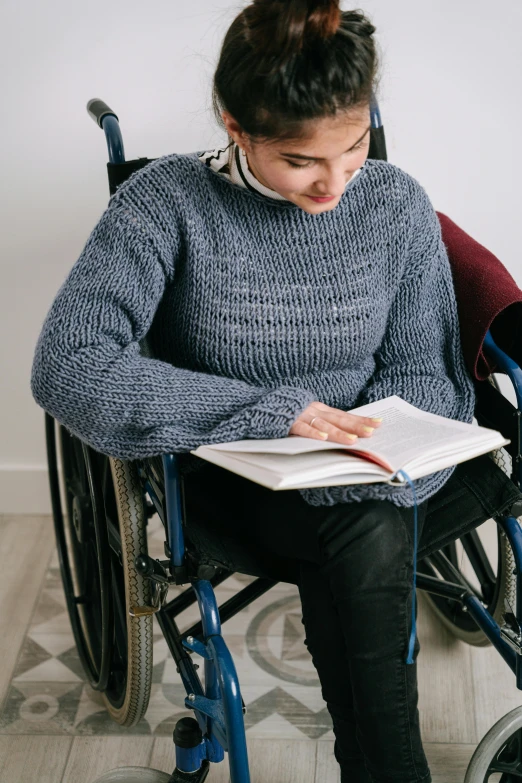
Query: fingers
{"x": 333, "y": 424}
{"x": 363, "y": 426}
{"x": 336, "y": 421}
{"x": 345, "y": 421}
{"x": 335, "y": 433}
{"x": 300, "y": 427}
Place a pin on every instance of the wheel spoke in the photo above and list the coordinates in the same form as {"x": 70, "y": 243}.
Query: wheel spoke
{"x": 73, "y": 485}
{"x": 114, "y": 540}
{"x": 517, "y": 737}
{"x": 508, "y": 769}
{"x": 71, "y": 470}
{"x": 79, "y": 467}
{"x": 91, "y": 459}
{"x": 120, "y": 609}
{"x": 117, "y": 684}
{"x": 107, "y": 480}
{"x": 447, "y": 570}
{"x": 509, "y": 759}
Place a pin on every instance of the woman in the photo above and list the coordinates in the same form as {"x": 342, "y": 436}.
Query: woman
{"x": 280, "y": 282}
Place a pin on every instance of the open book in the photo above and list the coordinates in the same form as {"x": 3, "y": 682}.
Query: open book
{"x": 408, "y": 439}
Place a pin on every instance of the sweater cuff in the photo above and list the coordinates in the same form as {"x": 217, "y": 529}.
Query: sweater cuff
{"x": 274, "y": 414}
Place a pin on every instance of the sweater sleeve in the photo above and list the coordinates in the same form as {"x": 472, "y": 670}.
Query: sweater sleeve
{"x": 89, "y": 374}
{"x": 420, "y": 357}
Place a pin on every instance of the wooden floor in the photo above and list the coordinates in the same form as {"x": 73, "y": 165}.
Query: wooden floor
{"x": 463, "y": 690}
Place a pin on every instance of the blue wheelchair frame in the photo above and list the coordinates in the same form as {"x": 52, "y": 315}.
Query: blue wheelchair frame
{"x": 219, "y": 707}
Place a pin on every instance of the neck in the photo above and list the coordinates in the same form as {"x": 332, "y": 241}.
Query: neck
{"x": 255, "y": 173}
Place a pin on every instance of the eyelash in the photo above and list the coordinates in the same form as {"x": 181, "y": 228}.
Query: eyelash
{"x": 308, "y": 165}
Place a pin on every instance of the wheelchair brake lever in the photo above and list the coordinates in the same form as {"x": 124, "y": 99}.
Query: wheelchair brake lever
{"x": 151, "y": 569}
{"x": 512, "y": 638}
{"x": 158, "y": 575}
{"x": 511, "y": 631}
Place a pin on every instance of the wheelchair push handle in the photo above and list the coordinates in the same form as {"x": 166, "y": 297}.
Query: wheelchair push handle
{"x": 104, "y": 116}
{"x": 98, "y": 110}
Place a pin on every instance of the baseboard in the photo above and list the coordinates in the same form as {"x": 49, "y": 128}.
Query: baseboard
{"x": 24, "y": 489}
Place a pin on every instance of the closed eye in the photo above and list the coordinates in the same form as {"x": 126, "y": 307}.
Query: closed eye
{"x": 301, "y": 165}
{"x": 312, "y": 162}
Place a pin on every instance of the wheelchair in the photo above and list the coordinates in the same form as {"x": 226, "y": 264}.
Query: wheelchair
{"x": 101, "y": 508}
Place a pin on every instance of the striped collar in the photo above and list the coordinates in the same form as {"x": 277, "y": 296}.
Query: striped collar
{"x": 232, "y": 164}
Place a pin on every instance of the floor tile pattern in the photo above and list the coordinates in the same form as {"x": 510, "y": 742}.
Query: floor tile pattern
{"x": 49, "y": 694}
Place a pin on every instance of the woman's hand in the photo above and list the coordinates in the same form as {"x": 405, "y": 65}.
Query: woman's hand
{"x": 332, "y": 424}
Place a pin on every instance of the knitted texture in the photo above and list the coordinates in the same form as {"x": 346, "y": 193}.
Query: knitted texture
{"x": 253, "y": 308}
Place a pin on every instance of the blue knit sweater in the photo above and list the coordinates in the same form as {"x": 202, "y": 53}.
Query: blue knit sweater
{"x": 253, "y": 308}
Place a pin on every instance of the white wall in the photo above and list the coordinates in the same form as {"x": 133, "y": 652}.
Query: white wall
{"x": 449, "y": 98}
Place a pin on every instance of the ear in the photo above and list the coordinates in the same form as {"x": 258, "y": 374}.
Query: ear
{"x": 234, "y": 129}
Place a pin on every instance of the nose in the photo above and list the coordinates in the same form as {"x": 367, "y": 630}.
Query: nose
{"x": 332, "y": 181}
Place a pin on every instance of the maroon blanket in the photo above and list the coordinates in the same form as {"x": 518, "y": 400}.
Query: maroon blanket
{"x": 487, "y": 298}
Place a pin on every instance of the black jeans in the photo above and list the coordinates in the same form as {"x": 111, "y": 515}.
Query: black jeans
{"x": 354, "y": 574}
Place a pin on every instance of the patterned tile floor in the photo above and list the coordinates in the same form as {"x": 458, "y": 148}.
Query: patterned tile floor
{"x": 48, "y": 693}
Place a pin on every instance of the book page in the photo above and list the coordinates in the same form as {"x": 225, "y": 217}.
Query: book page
{"x": 284, "y": 471}
{"x": 407, "y": 433}
{"x": 298, "y": 468}
{"x": 397, "y": 439}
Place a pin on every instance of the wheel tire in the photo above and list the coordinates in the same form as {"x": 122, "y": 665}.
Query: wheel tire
{"x": 125, "y": 679}
{"x": 134, "y": 775}
{"x": 133, "y": 530}
{"x": 495, "y": 741}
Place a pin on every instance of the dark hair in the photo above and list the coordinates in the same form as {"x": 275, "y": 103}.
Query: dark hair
{"x": 286, "y": 62}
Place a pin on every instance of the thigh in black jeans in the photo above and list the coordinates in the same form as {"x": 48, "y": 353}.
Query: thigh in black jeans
{"x": 355, "y": 583}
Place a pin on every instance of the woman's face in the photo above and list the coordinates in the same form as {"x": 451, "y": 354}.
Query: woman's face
{"x": 321, "y": 165}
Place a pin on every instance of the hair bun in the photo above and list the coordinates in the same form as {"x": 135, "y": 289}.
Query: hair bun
{"x": 282, "y": 27}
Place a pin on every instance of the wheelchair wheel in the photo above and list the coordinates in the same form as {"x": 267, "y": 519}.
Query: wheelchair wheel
{"x": 134, "y": 775}
{"x": 100, "y": 527}
{"x": 498, "y": 756}
{"x": 497, "y": 591}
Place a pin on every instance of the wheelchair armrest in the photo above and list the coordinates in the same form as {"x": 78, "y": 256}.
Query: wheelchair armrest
{"x": 495, "y": 411}
{"x": 505, "y": 364}
{"x": 174, "y": 512}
